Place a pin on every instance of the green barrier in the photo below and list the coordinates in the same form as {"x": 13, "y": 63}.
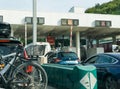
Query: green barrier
{"x": 86, "y": 77}
{"x": 71, "y": 76}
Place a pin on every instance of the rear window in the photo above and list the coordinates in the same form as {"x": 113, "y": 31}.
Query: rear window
{"x": 69, "y": 54}
{"x": 7, "y": 46}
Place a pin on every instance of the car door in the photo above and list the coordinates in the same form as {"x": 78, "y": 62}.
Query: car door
{"x": 104, "y": 64}
{"x": 101, "y": 62}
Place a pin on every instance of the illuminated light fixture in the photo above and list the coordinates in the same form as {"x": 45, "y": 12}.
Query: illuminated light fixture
{"x": 70, "y": 22}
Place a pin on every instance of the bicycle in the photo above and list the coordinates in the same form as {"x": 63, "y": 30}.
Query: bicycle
{"x": 16, "y": 72}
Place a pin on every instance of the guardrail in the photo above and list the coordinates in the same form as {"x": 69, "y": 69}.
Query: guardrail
{"x": 71, "y": 76}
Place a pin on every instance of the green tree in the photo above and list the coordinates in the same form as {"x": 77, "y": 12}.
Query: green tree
{"x": 112, "y": 7}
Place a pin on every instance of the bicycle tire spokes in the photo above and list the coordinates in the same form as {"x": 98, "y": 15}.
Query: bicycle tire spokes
{"x": 36, "y": 79}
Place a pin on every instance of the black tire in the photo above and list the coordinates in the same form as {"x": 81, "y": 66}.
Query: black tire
{"x": 37, "y": 79}
{"x": 110, "y": 83}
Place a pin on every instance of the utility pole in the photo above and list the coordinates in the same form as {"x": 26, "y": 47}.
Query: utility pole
{"x": 34, "y": 21}
{"x": 25, "y": 33}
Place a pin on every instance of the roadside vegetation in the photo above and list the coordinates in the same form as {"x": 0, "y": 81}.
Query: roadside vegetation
{"x": 112, "y": 7}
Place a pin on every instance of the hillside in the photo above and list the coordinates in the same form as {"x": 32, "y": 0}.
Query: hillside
{"x": 112, "y": 7}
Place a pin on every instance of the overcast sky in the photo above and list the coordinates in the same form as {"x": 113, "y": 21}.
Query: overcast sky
{"x": 48, "y": 5}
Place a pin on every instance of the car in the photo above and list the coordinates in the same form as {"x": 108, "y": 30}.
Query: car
{"x": 62, "y": 57}
{"x": 108, "y": 69}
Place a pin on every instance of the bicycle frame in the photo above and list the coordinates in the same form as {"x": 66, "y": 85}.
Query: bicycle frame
{"x": 14, "y": 64}
{"x": 7, "y": 67}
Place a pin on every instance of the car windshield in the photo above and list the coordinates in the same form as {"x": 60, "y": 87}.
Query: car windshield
{"x": 68, "y": 54}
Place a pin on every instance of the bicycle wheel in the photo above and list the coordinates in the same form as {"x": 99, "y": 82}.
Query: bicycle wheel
{"x": 23, "y": 79}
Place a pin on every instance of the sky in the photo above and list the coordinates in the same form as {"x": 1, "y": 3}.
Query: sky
{"x": 48, "y": 5}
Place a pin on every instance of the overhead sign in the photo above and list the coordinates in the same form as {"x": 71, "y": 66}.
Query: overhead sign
{"x": 40, "y": 20}
{"x": 69, "y": 22}
{"x": 103, "y": 23}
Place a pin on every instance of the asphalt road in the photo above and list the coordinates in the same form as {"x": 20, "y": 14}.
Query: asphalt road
{"x": 49, "y": 87}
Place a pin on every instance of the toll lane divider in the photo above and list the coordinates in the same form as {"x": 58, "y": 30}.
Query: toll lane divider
{"x": 71, "y": 76}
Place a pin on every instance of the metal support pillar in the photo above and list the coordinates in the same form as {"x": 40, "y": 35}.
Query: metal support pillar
{"x": 78, "y": 44}
{"x": 25, "y": 33}
{"x": 114, "y": 39}
{"x": 71, "y": 28}
{"x": 97, "y": 42}
{"x": 12, "y": 32}
{"x": 34, "y": 21}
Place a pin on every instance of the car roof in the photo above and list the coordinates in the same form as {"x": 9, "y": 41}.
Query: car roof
{"x": 115, "y": 55}
{"x": 63, "y": 52}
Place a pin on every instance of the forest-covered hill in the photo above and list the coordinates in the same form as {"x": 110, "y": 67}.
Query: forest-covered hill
{"x": 112, "y": 7}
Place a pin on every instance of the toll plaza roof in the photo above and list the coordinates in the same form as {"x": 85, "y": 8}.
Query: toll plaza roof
{"x": 58, "y": 24}
{"x": 90, "y": 32}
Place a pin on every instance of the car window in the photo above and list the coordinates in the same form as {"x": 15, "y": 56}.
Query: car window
{"x": 105, "y": 59}
{"x": 52, "y": 56}
{"x": 48, "y": 54}
{"x": 68, "y": 54}
{"x": 92, "y": 60}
